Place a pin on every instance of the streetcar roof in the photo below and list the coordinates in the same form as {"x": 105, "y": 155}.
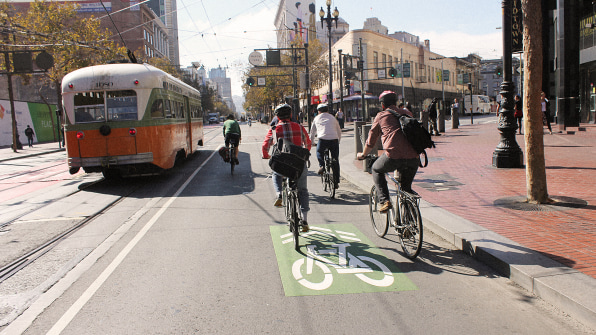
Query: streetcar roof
{"x": 118, "y": 76}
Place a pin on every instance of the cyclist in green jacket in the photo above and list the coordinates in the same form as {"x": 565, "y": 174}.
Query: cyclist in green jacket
{"x": 232, "y": 133}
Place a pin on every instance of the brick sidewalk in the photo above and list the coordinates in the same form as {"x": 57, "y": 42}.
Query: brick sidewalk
{"x": 460, "y": 179}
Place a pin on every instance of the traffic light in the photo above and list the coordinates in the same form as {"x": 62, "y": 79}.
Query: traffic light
{"x": 250, "y": 81}
{"x": 392, "y": 72}
{"x": 347, "y": 84}
{"x": 499, "y": 71}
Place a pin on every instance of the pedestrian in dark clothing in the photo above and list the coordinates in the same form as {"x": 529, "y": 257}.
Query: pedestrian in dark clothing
{"x": 29, "y": 133}
{"x": 545, "y": 112}
{"x": 432, "y": 115}
{"x": 518, "y": 112}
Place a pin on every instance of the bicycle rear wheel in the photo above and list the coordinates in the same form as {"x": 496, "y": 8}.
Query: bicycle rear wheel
{"x": 232, "y": 158}
{"x": 378, "y": 219}
{"x": 294, "y": 220}
{"x": 329, "y": 184}
{"x": 410, "y": 235}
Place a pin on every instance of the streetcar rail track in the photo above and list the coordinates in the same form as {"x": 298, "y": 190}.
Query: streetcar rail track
{"x": 23, "y": 261}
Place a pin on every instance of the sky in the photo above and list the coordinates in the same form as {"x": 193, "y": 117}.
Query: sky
{"x": 224, "y": 32}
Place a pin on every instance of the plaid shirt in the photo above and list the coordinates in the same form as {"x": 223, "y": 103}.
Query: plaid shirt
{"x": 290, "y": 131}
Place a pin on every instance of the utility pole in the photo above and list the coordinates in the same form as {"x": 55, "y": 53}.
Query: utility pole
{"x": 401, "y": 60}
{"x": 362, "y": 83}
{"x": 341, "y": 82}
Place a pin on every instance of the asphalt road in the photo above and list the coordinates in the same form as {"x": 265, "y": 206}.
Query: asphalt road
{"x": 199, "y": 250}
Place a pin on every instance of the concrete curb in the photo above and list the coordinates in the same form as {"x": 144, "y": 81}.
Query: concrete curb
{"x": 565, "y": 288}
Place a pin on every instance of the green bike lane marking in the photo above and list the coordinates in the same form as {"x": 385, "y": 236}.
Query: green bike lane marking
{"x": 335, "y": 259}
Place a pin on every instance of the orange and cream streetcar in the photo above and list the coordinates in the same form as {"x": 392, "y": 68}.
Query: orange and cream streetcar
{"x": 129, "y": 119}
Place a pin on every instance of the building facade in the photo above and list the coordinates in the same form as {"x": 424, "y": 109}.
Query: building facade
{"x": 430, "y": 75}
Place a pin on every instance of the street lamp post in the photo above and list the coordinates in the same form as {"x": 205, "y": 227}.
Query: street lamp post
{"x": 329, "y": 19}
{"x": 508, "y": 154}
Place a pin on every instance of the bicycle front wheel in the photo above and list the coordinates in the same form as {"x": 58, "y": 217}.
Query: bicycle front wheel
{"x": 410, "y": 233}
{"x": 378, "y": 219}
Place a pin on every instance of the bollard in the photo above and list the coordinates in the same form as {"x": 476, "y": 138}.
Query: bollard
{"x": 424, "y": 119}
{"x": 441, "y": 119}
{"x": 364, "y": 136}
{"x": 454, "y": 118}
{"x": 357, "y": 140}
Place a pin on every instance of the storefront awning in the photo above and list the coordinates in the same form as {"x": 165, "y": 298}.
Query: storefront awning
{"x": 357, "y": 97}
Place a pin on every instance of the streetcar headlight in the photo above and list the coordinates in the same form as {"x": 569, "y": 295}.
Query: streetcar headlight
{"x": 70, "y": 85}
{"x": 132, "y": 131}
{"x": 136, "y": 81}
{"x": 80, "y": 135}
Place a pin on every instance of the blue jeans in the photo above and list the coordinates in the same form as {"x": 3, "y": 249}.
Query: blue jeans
{"x": 302, "y": 188}
{"x": 407, "y": 169}
{"x": 333, "y": 146}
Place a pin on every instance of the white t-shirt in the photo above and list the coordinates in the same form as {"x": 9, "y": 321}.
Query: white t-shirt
{"x": 325, "y": 127}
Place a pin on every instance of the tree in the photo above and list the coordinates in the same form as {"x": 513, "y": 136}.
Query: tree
{"x": 165, "y": 65}
{"x": 535, "y": 167}
{"x": 278, "y": 82}
{"x": 74, "y": 42}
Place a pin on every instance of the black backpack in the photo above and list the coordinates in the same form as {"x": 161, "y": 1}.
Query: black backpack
{"x": 416, "y": 134}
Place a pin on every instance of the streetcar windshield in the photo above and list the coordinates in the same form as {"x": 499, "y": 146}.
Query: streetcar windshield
{"x": 92, "y": 106}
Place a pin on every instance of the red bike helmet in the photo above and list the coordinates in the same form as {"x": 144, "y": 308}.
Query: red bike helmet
{"x": 388, "y": 98}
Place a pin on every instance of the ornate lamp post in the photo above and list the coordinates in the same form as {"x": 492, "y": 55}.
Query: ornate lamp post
{"x": 508, "y": 154}
{"x": 329, "y": 19}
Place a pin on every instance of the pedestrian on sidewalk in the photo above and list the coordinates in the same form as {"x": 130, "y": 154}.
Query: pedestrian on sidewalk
{"x": 340, "y": 118}
{"x": 29, "y": 133}
{"x": 432, "y": 115}
{"x": 327, "y": 129}
{"x": 518, "y": 112}
{"x": 545, "y": 112}
{"x": 399, "y": 153}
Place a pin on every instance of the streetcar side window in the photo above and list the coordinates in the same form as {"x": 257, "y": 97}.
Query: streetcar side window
{"x": 89, "y": 107}
{"x": 168, "y": 110}
{"x": 157, "y": 109}
{"x": 122, "y": 105}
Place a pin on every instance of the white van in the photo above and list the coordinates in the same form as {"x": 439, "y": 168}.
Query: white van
{"x": 480, "y": 104}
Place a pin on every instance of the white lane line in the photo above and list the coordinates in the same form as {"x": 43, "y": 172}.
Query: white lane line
{"x": 23, "y": 322}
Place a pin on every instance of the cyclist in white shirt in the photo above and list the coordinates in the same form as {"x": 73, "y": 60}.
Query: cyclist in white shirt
{"x": 327, "y": 129}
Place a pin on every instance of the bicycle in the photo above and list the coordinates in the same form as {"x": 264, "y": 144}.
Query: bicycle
{"x": 291, "y": 205}
{"x": 327, "y": 177}
{"x": 406, "y": 221}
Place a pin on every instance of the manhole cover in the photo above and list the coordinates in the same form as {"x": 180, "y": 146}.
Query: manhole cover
{"x": 560, "y": 204}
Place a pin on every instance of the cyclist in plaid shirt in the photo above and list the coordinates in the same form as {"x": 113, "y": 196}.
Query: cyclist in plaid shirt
{"x": 296, "y": 133}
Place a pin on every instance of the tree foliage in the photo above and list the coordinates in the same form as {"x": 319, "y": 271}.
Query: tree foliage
{"x": 279, "y": 80}
{"x": 74, "y": 42}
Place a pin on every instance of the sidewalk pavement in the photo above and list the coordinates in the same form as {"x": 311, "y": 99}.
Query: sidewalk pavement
{"x": 550, "y": 250}
{"x": 7, "y": 154}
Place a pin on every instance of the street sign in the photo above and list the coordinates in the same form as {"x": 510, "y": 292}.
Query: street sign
{"x": 381, "y": 73}
{"x": 446, "y": 75}
{"x": 406, "y": 71}
{"x": 261, "y": 81}
{"x": 255, "y": 58}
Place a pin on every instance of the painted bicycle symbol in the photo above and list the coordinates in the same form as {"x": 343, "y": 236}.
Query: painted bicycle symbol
{"x": 363, "y": 267}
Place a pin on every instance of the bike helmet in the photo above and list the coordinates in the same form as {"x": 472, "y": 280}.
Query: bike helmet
{"x": 323, "y": 108}
{"x": 283, "y": 111}
{"x": 388, "y": 98}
